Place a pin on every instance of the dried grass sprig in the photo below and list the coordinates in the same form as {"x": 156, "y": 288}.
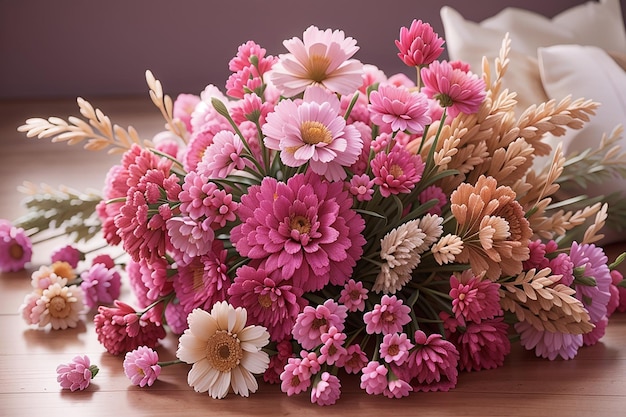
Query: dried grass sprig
{"x": 165, "y": 104}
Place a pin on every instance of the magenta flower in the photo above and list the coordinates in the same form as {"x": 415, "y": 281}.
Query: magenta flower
{"x": 313, "y": 131}
{"x": 191, "y": 238}
{"x": 399, "y": 109}
{"x": 77, "y": 374}
{"x": 473, "y": 299}
{"x": 16, "y": 249}
{"x": 617, "y": 277}
{"x": 387, "y": 317}
{"x": 432, "y": 366}
{"x": 269, "y": 298}
{"x": 397, "y": 172}
{"x": 419, "y": 44}
{"x": 594, "y": 261}
{"x": 353, "y": 295}
{"x": 101, "y": 285}
{"x": 306, "y": 228}
{"x": 326, "y": 390}
{"x": 374, "y": 378}
{"x": 141, "y": 366}
{"x": 313, "y": 322}
{"x": 433, "y": 192}
{"x": 458, "y": 91}
{"x": 68, "y": 254}
{"x": 548, "y": 344}
{"x": 594, "y": 336}
{"x": 395, "y": 348}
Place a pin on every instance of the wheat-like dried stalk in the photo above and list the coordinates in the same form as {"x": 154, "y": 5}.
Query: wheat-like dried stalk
{"x": 592, "y": 234}
{"x": 98, "y": 132}
{"x": 164, "y": 103}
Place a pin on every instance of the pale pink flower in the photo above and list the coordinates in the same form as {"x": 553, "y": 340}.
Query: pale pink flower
{"x": 387, "y": 317}
{"x": 548, "y": 344}
{"x": 68, "y": 254}
{"x": 353, "y": 295}
{"x": 184, "y": 106}
{"x": 294, "y": 379}
{"x": 223, "y": 156}
{"x": 16, "y": 248}
{"x": 419, "y": 44}
{"x": 433, "y": 192}
{"x": 326, "y": 390}
{"x": 456, "y": 90}
{"x": 474, "y": 298}
{"x": 251, "y": 108}
{"x": 44, "y": 277}
{"x": 305, "y": 227}
{"x": 374, "y": 378}
{"x": 353, "y": 360}
{"x": 314, "y": 321}
{"x": 59, "y": 306}
{"x": 101, "y": 285}
{"x": 397, "y": 388}
{"x": 27, "y": 307}
{"x": 362, "y": 187}
{"x": 201, "y": 198}
{"x": 332, "y": 346}
{"x": 77, "y": 374}
{"x": 192, "y": 238}
{"x": 310, "y": 362}
{"x": 313, "y": 131}
{"x": 395, "y": 348}
{"x": 398, "y": 171}
{"x": 320, "y": 57}
{"x": 399, "y": 109}
{"x": 269, "y": 298}
{"x": 141, "y": 366}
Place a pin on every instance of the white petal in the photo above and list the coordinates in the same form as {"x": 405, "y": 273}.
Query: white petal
{"x": 256, "y": 363}
{"x": 190, "y": 348}
{"x": 197, "y": 377}
{"x": 219, "y": 389}
{"x": 256, "y": 335}
{"x": 201, "y": 324}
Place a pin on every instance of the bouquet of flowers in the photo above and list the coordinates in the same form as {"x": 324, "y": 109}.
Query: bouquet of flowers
{"x": 321, "y": 218}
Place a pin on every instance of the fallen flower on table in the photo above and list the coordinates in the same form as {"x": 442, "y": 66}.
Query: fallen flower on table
{"x": 77, "y": 374}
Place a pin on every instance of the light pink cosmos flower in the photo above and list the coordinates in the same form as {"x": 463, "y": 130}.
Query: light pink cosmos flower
{"x": 374, "y": 378}
{"x": 320, "y": 57}
{"x": 399, "y": 109}
{"x": 398, "y": 171}
{"x": 314, "y": 321}
{"x": 326, "y": 390}
{"x": 101, "y": 285}
{"x": 387, "y": 317}
{"x": 353, "y": 295}
{"x": 419, "y": 44}
{"x": 141, "y": 366}
{"x": 313, "y": 131}
{"x": 77, "y": 374}
{"x": 456, "y": 90}
{"x": 16, "y": 248}
{"x": 223, "y": 156}
{"x": 548, "y": 344}
{"x": 395, "y": 348}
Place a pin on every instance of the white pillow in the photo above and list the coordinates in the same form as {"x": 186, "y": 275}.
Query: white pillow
{"x": 593, "y": 23}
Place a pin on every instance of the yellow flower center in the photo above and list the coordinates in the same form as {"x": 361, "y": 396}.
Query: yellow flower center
{"x": 318, "y": 66}
{"x": 396, "y": 170}
{"x": 16, "y": 251}
{"x": 63, "y": 269}
{"x": 314, "y": 132}
{"x": 301, "y": 224}
{"x": 265, "y": 300}
{"x": 59, "y": 307}
{"x": 223, "y": 351}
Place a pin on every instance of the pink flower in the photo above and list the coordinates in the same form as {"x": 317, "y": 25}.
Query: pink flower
{"x": 374, "y": 378}
{"x": 332, "y": 349}
{"x": 320, "y": 57}
{"x": 397, "y": 172}
{"x": 397, "y": 388}
{"x": 326, "y": 390}
{"x": 184, "y": 106}
{"x": 419, "y": 44}
{"x": 294, "y": 379}
{"x": 306, "y": 228}
{"x": 101, "y": 285}
{"x": 433, "y": 364}
{"x": 244, "y": 82}
{"x": 269, "y": 298}
{"x": 16, "y": 249}
{"x": 399, "y": 109}
{"x": 68, "y": 254}
{"x": 313, "y": 131}
{"x": 141, "y": 366}
{"x": 591, "y": 338}
{"x": 474, "y": 299}
{"x": 562, "y": 265}
{"x": 223, "y": 156}
{"x": 594, "y": 261}
{"x": 104, "y": 259}
{"x": 313, "y": 322}
{"x": 395, "y": 348}
{"x": 154, "y": 277}
{"x": 251, "y": 55}
{"x": 387, "y": 317}
{"x": 192, "y": 238}
{"x": 353, "y": 360}
{"x": 547, "y": 344}
{"x": 251, "y": 108}
{"x": 28, "y": 306}
{"x": 457, "y": 90}
{"x": 433, "y": 193}
{"x": 353, "y": 295}
{"x": 362, "y": 187}
{"x": 617, "y": 277}
{"x": 121, "y": 329}
{"x": 77, "y": 374}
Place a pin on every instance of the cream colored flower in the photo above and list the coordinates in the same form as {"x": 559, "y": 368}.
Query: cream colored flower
{"x": 447, "y": 248}
{"x": 431, "y": 226}
{"x": 224, "y": 352}
{"x": 59, "y": 305}
{"x": 400, "y": 249}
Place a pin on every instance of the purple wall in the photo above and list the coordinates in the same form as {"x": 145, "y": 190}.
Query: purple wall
{"x": 87, "y": 48}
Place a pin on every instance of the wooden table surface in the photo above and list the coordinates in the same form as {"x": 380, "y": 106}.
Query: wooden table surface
{"x": 594, "y": 384}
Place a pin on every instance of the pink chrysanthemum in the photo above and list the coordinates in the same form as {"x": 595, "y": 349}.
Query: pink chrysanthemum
{"x": 326, "y": 390}
{"x": 387, "y": 317}
{"x": 419, "y": 44}
{"x": 548, "y": 344}
{"x": 353, "y": 295}
{"x": 313, "y": 322}
{"x": 269, "y": 298}
{"x": 251, "y": 108}
{"x": 313, "y": 131}
{"x": 16, "y": 248}
{"x": 456, "y": 90}
{"x": 399, "y": 109}
{"x": 617, "y": 277}
{"x": 121, "y": 329}
{"x": 395, "y": 348}
{"x": 176, "y": 317}
{"x": 397, "y": 172}
{"x": 353, "y": 360}
{"x": 397, "y": 388}
{"x": 321, "y": 57}
{"x": 433, "y": 193}
{"x": 306, "y": 228}
{"x": 101, "y": 285}
{"x": 192, "y": 238}
{"x": 141, "y": 366}
{"x": 592, "y": 337}
{"x": 362, "y": 187}
{"x": 294, "y": 378}
{"x": 594, "y": 261}
{"x": 154, "y": 277}
{"x": 77, "y": 374}
{"x": 474, "y": 299}
{"x": 374, "y": 378}
{"x": 433, "y": 364}
{"x": 68, "y": 254}
{"x": 223, "y": 156}
{"x": 537, "y": 258}
{"x": 332, "y": 346}
{"x": 243, "y": 82}
{"x": 184, "y": 106}
{"x": 563, "y": 265}
{"x": 250, "y": 54}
